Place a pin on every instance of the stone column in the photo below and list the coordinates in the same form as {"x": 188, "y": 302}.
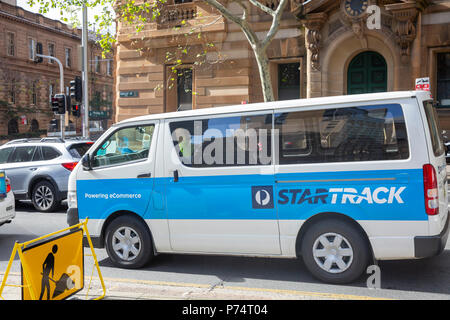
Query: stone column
{"x": 313, "y": 24}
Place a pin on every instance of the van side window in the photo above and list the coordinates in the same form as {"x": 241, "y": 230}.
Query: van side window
{"x": 219, "y": 142}
{"x": 125, "y": 145}
{"x": 366, "y": 133}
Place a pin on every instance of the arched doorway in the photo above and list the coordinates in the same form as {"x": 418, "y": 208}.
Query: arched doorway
{"x": 367, "y": 72}
{"x": 34, "y": 125}
{"x": 13, "y": 127}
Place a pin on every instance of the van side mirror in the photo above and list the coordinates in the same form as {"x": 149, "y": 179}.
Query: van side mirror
{"x": 86, "y": 162}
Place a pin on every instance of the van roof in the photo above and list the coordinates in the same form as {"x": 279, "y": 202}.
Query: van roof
{"x": 284, "y": 104}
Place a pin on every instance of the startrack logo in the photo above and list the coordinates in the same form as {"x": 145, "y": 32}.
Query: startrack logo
{"x": 262, "y": 197}
{"x": 368, "y": 195}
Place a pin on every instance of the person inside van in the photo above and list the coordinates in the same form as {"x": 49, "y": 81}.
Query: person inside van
{"x": 123, "y": 146}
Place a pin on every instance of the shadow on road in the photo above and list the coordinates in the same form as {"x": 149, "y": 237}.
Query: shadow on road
{"x": 430, "y": 275}
{"x": 17, "y": 231}
{"x": 27, "y": 206}
{"x": 8, "y": 241}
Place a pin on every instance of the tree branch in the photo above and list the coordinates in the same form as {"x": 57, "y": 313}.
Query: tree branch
{"x": 224, "y": 11}
{"x": 275, "y": 23}
{"x": 244, "y": 9}
{"x": 249, "y": 33}
{"x": 259, "y": 5}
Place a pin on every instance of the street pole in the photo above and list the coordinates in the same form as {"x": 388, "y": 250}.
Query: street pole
{"x": 84, "y": 74}
{"x": 61, "y": 87}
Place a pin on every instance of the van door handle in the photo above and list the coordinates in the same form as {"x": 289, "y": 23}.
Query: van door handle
{"x": 145, "y": 175}
{"x": 175, "y": 176}
{"x": 32, "y": 169}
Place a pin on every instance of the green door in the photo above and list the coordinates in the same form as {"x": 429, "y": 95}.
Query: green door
{"x": 367, "y": 73}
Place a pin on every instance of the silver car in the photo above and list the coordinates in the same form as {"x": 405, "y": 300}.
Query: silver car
{"x": 39, "y": 169}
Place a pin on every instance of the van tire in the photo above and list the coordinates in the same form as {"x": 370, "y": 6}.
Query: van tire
{"x": 334, "y": 251}
{"x": 128, "y": 243}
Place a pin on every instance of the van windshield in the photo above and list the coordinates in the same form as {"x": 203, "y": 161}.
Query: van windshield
{"x": 433, "y": 125}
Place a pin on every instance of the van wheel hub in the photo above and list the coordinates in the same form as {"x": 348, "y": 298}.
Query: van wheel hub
{"x": 126, "y": 243}
{"x": 333, "y": 252}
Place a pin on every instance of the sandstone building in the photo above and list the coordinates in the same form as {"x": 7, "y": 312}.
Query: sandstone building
{"x": 26, "y": 87}
{"x": 192, "y": 57}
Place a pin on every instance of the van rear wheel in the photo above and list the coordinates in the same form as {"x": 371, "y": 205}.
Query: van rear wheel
{"x": 335, "y": 251}
{"x": 128, "y": 243}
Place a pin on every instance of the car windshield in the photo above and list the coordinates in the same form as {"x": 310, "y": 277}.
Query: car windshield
{"x": 79, "y": 149}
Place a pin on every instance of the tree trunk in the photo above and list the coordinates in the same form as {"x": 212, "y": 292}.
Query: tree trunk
{"x": 264, "y": 74}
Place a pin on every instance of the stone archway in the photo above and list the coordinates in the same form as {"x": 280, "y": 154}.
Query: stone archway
{"x": 336, "y": 58}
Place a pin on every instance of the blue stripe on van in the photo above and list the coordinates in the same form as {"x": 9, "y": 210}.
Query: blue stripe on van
{"x": 362, "y": 195}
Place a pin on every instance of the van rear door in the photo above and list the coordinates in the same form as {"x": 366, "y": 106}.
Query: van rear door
{"x": 436, "y": 153}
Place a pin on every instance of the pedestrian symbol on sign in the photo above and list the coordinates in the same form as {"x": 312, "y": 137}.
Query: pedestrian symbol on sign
{"x": 47, "y": 267}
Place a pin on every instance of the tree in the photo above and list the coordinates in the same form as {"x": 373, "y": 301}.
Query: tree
{"x": 138, "y": 14}
{"x": 259, "y": 46}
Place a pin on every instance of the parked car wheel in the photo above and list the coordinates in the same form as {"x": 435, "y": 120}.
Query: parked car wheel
{"x": 335, "y": 251}
{"x": 128, "y": 243}
{"x": 44, "y": 197}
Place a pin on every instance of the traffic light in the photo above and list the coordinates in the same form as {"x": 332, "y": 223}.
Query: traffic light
{"x": 59, "y": 103}
{"x": 76, "y": 110}
{"x": 76, "y": 89}
{"x": 38, "y": 51}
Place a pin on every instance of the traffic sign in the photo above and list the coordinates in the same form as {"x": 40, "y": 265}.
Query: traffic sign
{"x": 423, "y": 84}
{"x": 56, "y": 267}
{"x": 52, "y": 266}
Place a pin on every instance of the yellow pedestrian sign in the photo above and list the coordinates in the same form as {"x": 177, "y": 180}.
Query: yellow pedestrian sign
{"x": 52, "y": 266}
{"x": 57, "y": 267}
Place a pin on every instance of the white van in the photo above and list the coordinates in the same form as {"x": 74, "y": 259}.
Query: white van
{"x": 338, "y": 181}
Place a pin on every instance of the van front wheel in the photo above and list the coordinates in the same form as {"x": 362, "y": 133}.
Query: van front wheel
{"x": 334, "y": 251}
{"x": 128, "y": 243}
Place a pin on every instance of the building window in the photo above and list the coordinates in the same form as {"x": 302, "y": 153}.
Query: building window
{"x": 11, "y": 44}
{"x": 31, "y": 44}
{"x": 97, "y": 64}
{"x": 68, "y": 53}
{"x": 51, "y": 51}
{"x": 184, "y": 89}
{"x": 12, "y": 92}
{"x": 443, "y": 79}
{"x": 13, "y": 127}
{"x": 51, "y": 92}
{"x": 288, "y": 81}
{"x": 108, "y": 67}
{"x": 34, "y": 93}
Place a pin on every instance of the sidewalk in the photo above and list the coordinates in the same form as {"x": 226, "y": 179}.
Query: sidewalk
{"x": 128, "y": 289}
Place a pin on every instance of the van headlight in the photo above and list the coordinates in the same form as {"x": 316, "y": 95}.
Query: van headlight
{"x": 72, "y": 199}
